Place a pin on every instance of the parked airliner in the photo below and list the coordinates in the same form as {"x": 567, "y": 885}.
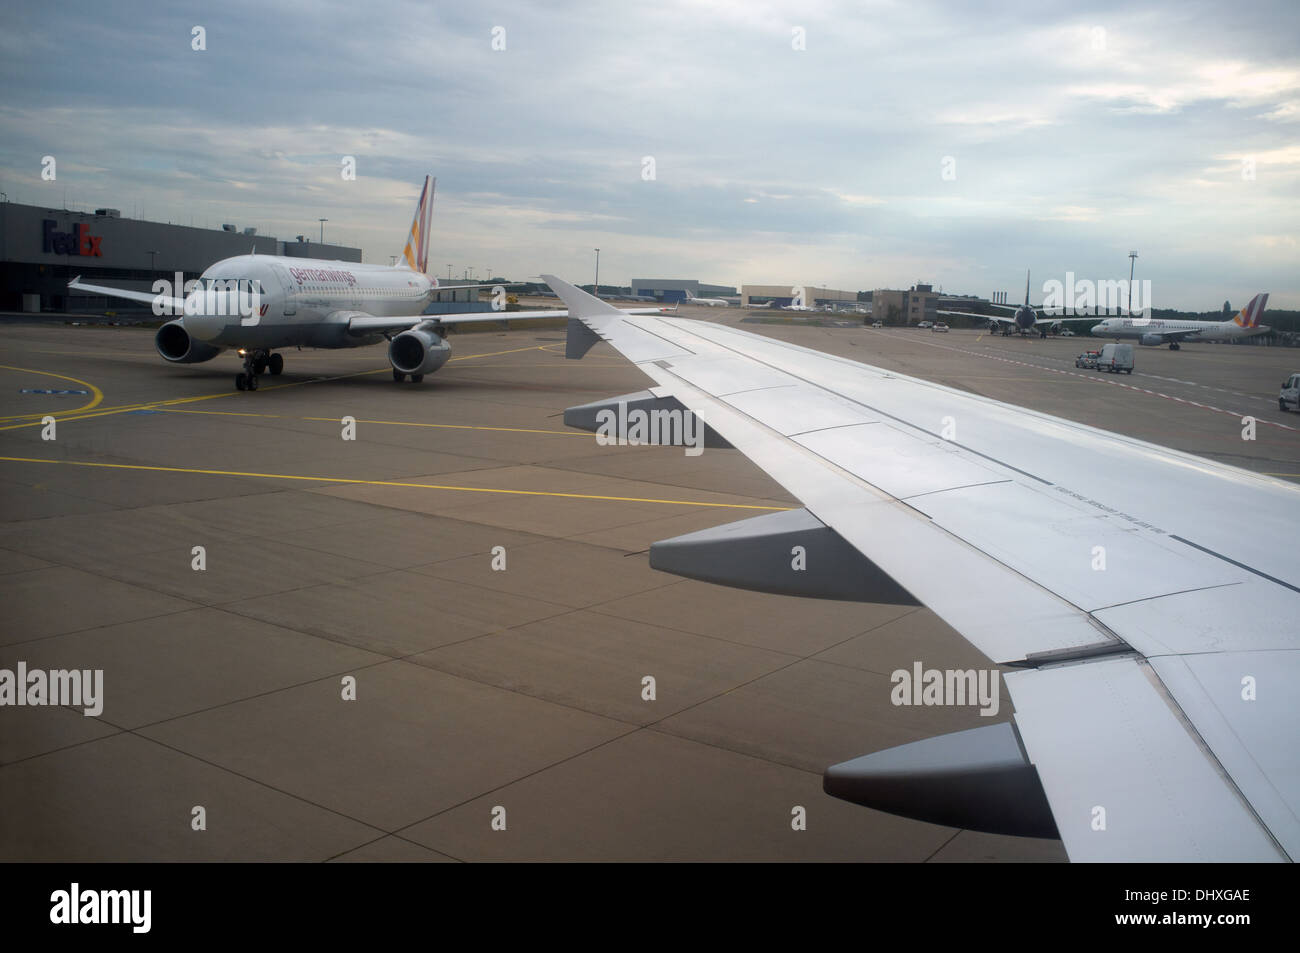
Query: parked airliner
{"x": 1024, "y": 319}
{"x": 706, "y": 302}
{"x": 1152, "y": 332}
{"x": 258, "y": 304}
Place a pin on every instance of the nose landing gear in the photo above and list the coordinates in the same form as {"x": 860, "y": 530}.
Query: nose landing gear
{"x": 257, "y": 362}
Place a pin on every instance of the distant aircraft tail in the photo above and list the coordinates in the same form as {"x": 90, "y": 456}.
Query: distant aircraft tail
{"x": 416, "y": 252}
{"x": 1248, "y": 317}
{"x": 1026, "y": 287}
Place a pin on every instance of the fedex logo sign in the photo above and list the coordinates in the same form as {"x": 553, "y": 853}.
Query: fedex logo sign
{"x": 79, "y": 241}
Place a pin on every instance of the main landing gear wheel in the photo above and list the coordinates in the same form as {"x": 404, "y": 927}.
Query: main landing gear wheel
{"x": 1175, "y": 347}
{"x": 276, "y": 363}
{"x": 416, "y": 378}
{"x": 398, "y": 375}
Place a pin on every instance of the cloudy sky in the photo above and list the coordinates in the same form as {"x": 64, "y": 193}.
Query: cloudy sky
{"x": 1073, "y": 133}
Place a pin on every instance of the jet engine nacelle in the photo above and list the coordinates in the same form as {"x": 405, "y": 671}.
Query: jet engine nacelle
{"x": 1151, "y": 340}
{"x": 418, "y": 352}
{"x": 176, "y": 344}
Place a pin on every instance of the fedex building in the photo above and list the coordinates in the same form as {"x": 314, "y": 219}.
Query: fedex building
{"x": 42, "y": 249}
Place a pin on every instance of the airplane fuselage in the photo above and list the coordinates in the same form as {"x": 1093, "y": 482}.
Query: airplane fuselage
{"x": 1151, "y": 330}
{"x": 270, "y": 301}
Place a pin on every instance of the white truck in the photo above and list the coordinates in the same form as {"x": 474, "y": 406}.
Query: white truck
{"x": 1116, "y": 358}
{"x": 1289, "y": 397}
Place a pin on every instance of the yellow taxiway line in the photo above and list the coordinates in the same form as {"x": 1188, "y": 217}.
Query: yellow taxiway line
{"x": 349, "y": 481}
{"x": 96, "y": 394}
{"x": 386, "y": 423}
{"x": 80, "y": 412}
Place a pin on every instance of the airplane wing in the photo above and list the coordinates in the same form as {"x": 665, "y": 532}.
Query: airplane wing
{"x": 1172, "y": 336}
{"x": 176, "y": 305}
{"x": 497, "y": 284}
{"x": 1154, "y": 633}
{"x": 1059, "y": 319}
{"x": 360, "y": 324}
{"x": 991, "y": 318}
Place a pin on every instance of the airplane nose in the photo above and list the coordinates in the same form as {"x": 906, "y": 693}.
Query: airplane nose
{"x": 205, "y": 315}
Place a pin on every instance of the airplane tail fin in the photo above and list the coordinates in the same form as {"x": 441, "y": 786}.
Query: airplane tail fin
{"x": 1026, "y": 287}
{"x": 416, "y": 252}
{"x": 1248, "y": 317}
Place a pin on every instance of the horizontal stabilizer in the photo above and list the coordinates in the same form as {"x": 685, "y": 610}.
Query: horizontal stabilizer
{"x": 791, "y": 553}
{"x": 976, "y": 780}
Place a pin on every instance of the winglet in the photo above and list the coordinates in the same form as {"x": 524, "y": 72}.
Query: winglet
{"x": 579, "y": 303}
{"x": 580, "y": 338}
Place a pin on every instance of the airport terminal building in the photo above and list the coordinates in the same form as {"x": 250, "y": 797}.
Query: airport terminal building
{"x": 42, "y": 249}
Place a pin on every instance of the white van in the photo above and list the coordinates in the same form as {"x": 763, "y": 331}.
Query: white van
{"x": 1115, "y": 358}
{"x": 1289, "y": 398}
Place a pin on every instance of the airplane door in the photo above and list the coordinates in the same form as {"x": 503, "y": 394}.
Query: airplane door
{"x": 290, "y": 289}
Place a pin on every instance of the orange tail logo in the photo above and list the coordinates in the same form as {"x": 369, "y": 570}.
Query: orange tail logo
{"x": 416, "y": 252}
{"x": 1248, "y": 317}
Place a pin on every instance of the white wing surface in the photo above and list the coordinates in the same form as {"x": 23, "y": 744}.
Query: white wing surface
{"x": 1156, "y": 702}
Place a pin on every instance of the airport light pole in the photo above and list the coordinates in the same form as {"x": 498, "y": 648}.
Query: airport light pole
{"x": 597, "y": 285}
{"x": 449, "y": 272}
{"x": 1132, "y": 263}
{"x": 322, "y": 229}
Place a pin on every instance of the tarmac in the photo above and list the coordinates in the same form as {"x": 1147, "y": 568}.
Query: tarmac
{"x": 484, "y": 697}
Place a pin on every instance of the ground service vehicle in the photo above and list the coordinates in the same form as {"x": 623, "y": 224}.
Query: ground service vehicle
{"x": 1289, "y": 397}
{"x": 1115, "y": 358}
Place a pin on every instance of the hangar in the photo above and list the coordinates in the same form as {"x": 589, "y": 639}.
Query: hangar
{"x": 782, "y": 296}
{"x": 674, "y": 289}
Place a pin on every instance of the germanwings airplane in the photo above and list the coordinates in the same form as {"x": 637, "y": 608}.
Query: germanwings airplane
{"x": 1152, "y": 332}
{"x": 1154, "y": 713}
{"x": 259, "y": 304}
